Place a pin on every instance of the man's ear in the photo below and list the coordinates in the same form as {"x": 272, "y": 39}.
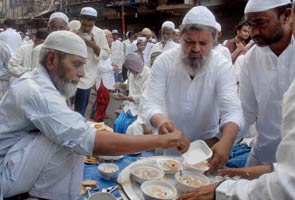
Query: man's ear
{"x": 287, "y": 15}
{"x": 50, "y": 59}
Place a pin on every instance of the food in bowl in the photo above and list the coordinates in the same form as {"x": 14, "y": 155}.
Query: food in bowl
{"x": 142, "y": 173}
{"x": 190, "y": 179}
{"x": 170, "y": 166}
{"x": 91, "y": 160}
{"x": 201, "y": 166}
{"x": 108, "y": 170}
{"x": 158, "y": 190}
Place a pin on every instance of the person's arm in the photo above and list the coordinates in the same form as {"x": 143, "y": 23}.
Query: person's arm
{"x": 108, "y": 143}
{"x": 93, "y": 45}
{"x": 237, "y": 51}
{"x": 15, "y": 64}
{"x": 221, "y": 149}
{"x": 246, "y": 172}
{"x": 231, "y": 114}
{"x": 101, "y": 40}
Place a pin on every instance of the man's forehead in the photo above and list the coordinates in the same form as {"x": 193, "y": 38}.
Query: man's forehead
{"x": 254, "y": 16}
{"x": 58, "y": 21}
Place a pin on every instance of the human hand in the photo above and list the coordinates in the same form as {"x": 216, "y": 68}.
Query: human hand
{"x": 175, "y": 139}
{"x": 166, "y": 126}
{"x": 240, "y": 45}
{"x": 202, "y": 193}
{"x": 246, "y": 172}
{"x": 116, "y": 68}
{"x": 146, "y": 130}
{"x": 119, "y": 96}
{"x": 117, "y": 85}
{"x": 220, "y": 156}
{"x": 91, "y": 43}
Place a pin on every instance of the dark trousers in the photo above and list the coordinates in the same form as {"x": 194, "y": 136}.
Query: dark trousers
{"x": 81, "y": 100}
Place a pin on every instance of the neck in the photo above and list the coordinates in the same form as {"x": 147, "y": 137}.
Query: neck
{"x": 239, "y": 39}
{"x": 281, "y": 45}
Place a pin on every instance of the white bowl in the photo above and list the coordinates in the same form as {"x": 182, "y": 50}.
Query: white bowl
{"x": 158, "y": 190}
{"x": 102, "y": 196}
{"x": 108, "y": 170}
{"x": 200, "y": 167}
{"x": 190, "y": 180}
{"x": 197, "y": 152}
{"x": 169, "y": 165}
{"x": 144, "y": 172}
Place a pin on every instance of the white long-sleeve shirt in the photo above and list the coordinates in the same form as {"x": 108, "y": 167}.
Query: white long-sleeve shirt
{"x": 279, "y": 184}
{"x": 34, "y": 105}
{"x": 21, "y": 61}
{"x": 117, "y": 53}
{"x": 195, "y": 106}
{"x": 92, "y": 59}
{"x": 136, "y": 85}
{"x": 11, "y": 38}
{"x": 146, "y": 52}
{"x": 264, "y": 79}
{"x": 105, "y": 73}
{"x": 158, "y": 47}
{"x": 223, "y": 50}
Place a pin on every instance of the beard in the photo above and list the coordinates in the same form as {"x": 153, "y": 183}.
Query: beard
{"x": 266, "y": 41}
{"x": 65, "y": 87}
{"x": 194, "y": 66}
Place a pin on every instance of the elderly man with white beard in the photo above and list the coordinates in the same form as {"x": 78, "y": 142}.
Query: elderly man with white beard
{"x": 192, "y": 87}
{"x": 42, "y": 141}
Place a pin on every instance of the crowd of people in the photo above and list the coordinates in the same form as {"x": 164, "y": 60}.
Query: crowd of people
{"x": 184, "y": 87}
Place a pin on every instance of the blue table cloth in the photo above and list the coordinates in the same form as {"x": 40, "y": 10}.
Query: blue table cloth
{"x": 91, "y": 172}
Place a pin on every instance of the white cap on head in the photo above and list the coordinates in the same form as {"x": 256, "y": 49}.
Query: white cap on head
{"x": 141, "y": 39}
{"x": 177, "y": 30}
{"x": 263, "y": 5}
{"x": 89, "y": 11}
{"x": 66, "y": 41}
{"x": 74, "y": 25}
{"x": 115, "y": 31}
{"x": 218, "y": 27}
{"x": 58, "y": 15}
{"x": 199, "y": 15}
{"x": 168, "y": 24}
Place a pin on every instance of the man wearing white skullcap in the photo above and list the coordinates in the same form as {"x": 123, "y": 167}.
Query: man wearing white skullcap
{"x": 98, "y": 48}
{"x": 57, "y": 21}
{"x": 167, "y": 42}
{"x": 267, "y": 74}
{"x": 192, "y": 86}
{"x": 43, "y": 142}
{"x": 218, "y": 47}
{"x": 147, "y": 33}
{"x": 117, "y": 55}
{"x": 176, "y": 35}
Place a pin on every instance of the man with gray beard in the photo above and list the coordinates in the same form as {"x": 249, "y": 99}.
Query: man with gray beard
{"x": 192, "y": 87}
{"x": 43, "y": 142}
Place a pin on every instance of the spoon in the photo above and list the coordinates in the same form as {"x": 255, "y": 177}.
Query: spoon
{"x": 88, "y": 191}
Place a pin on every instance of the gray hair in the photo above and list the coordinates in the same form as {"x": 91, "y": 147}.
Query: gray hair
{"x": 197, "y": 27}
{"x": 44, "y": 52}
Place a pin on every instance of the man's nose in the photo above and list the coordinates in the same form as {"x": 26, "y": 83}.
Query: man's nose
{"x": 196, "y": 47}
{"x": 81, "y": 72}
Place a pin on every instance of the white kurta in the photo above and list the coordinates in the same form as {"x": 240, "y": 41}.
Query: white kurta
{"x": 35, "y": 56}
{"x": 126, "y": 46}
{"x": 224, "y": 51}
{"x": 105, "y": 73}
{"x": 21, "y": 61}
{"x": 158, "y": 47}
{"x": 279, "y": 184}
{"x": 33, "y": 105}
{"x": 11, "y": 38}
{"x": 117, "y": 53}
{"x": 5, "y": 54}
{"x": 146, "y": 52}
{"x": 136, "y": 86}
{"x": 195, "y": 106}
{"x": 264, "y": 79}
{"x": 92, "y": 60}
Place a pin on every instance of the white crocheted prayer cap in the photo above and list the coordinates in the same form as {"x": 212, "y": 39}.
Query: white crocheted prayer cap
{"x": 66, "y": 41}
{"x": 199, "y": 15}
{"x": 89, "y": 11}
{"x": 168, "y": 24}
{"x": 218, "y": 27}
{"x": 263, "y": 5}
{"x": 59, "y": 15}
